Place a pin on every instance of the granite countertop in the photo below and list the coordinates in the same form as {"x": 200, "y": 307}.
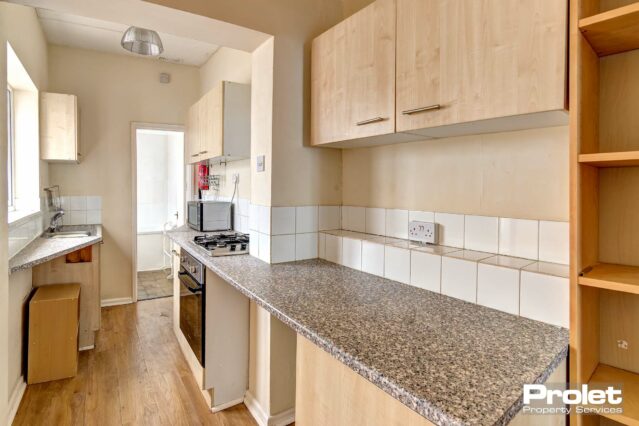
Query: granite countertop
{"x": 453, "y": 362}
{"x": 43, "y": 249}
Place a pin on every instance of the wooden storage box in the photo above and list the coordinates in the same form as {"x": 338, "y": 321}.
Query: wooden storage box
{"x": 53, "y": 333}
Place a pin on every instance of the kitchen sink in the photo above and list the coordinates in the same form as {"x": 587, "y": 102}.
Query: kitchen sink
{"x": 71, "y": 231}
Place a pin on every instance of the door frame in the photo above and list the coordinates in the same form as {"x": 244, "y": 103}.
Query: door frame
{"x": 135, "y": 126}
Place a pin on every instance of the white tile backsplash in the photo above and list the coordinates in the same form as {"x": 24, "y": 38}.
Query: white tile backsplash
{"x": 397, "y": 223}
{"x": 254, "y": 217}
{"x": 545, "y": 298}
{"x": 321, "y": 246}
{"x": 264, "y": 218}
{"x": 352, "y": 253}
{"x": 306, "y": 219}
{"x": 425, "y": 270}
{"x": 554, "y": 242}
{"x": 329, "y": 218}
{"x": 451, "y": 229}
{"x": 376, "y": 221}
{"x": 481, "y": 233}
{"x": 77, "y": 217}
{"x": 282, "y": 220}
{"x": 373, "y": 258}
{"x": 459, "y": 278}
{"x": 282, "y": 248}
{"x": 94, "y": 217}
{"x": 354, "y": 218}
{"x": 264, "y": 249}
{"x": 333, "y": 249}
{"x": 78, "y": 202}
{"x": 397, "y": 264}
{"x": 93, "y": 203}
{"x": 519, "y": 238}
{"x": 498, "y": 288}
{"x": 306, "y": 246}
{"x": 254, "y": 243}
{"x": 421, "y": 216}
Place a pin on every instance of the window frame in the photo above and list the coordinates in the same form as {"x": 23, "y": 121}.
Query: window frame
{"x": 11, "y": 150}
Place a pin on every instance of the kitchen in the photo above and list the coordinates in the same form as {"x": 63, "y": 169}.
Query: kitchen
{"x": 387, "y": 215}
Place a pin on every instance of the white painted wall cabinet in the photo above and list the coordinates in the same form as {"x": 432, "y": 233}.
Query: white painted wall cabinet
{"x": 219, "y": 124}
{"x": 59, "y": 128}
{"x": 450, "y": 67}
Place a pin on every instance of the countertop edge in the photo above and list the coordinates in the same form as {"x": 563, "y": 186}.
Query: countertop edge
{"x": 89, "y": 242}
{"x": 422, "y": 407}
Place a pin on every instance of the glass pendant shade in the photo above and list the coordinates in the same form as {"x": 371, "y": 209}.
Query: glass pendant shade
{"x": 142, "y": 41}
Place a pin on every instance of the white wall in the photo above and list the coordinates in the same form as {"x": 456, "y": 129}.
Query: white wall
{"x": 113, "y": 91}
{"x": 160, "y": 184}
{"x": 20, "y": 26}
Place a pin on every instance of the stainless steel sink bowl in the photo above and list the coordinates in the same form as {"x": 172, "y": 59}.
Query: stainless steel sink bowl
{"x": 72, "y": 231}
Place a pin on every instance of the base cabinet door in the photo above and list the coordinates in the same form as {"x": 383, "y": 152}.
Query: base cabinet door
{"x": 353, "y": 77}
{"x": 461, "y": 61}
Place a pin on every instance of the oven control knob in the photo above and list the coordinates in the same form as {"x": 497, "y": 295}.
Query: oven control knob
{"x": 243, "y": 247}
{"x": 192, "y": 269}
{"x": 233, "y": 247}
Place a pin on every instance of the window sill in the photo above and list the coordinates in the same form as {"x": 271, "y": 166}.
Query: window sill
{"x": 18, "y": 217}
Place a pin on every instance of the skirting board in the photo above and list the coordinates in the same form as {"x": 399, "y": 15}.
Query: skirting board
{"x": 282, "y": 419}
{"x": 116, "y": 301}
{"x": 227, "y": 405}
{"x": 15, "y": 399}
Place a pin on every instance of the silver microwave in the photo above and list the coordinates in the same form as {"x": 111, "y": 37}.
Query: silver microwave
{"x": 209, "y": 216}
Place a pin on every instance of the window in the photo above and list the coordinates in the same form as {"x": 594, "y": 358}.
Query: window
{"x": 11, "y": 150}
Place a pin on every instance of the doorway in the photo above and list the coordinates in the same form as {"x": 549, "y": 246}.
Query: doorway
{"x": 158, "y": 166}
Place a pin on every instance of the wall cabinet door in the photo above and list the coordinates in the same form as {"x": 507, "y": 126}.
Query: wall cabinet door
{"x": 59, "y": 127}
{"x": 353, "y": 77}
{"x": 211, "y": 127}
{"x": 461, "y": 61}
{"x": 192, "y": 135}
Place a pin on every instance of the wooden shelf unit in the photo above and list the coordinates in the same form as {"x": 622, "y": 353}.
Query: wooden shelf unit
{"x": 605, "y": 375}
{"x": 612, "y": 277}
{"x": 611, "y": 159}
{"x": 613, "y": 31}
{"x": 604, "y": 198}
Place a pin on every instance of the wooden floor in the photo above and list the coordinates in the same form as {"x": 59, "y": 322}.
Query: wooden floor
{"x": 135, "y": 376}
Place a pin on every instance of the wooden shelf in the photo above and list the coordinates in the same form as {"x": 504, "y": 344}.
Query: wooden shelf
{"x": 611, "y": 159}
{"x": 606, "y": 375}
{"x": 614, "y": 31}
{"x": 612, "y": 277}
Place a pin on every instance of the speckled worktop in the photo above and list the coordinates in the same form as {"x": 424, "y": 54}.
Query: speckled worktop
{"x": 43, "y": 249}
{"x": 451, "y": 361}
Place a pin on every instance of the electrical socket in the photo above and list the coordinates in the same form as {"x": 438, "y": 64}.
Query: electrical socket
{"x": 425, "y": 232}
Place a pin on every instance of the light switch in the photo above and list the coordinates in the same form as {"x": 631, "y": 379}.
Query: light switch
{"x": 260, "y": 163}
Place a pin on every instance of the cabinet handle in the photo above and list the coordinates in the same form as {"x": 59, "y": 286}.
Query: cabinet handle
{"x": 195, "y": 155}
{"x": 370, "y": 120}
{"x": 175, "y": 253}
{"x": 422, "y": 109}
{"x": 203, "y": 152}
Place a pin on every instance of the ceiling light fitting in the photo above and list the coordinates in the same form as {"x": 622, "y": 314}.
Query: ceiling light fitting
{"x": 142, "y": 41}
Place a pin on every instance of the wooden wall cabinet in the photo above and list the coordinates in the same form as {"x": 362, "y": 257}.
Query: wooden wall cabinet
{"x": 446, "y": 68}
{"x": 59, "y": 128}
{"x": 461, "y": 62}
{"x": 219, "y": 124}
{"x": 353, "y": 77}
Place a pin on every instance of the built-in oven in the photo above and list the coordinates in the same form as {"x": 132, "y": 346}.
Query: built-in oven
{"x": 192, "y": 276}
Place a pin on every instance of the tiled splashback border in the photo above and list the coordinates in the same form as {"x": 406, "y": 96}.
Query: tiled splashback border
{"x": 517, "y": 266}
{"x": 546, "y": 241}
{"x": 81, "y": 210}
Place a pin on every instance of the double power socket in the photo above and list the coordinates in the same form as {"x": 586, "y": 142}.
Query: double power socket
{"x": 424, "y": 232}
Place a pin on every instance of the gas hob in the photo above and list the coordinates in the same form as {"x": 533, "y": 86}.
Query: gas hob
{"x": 223, "y": 243}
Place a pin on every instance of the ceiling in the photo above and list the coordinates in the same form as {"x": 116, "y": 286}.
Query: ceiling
{"x": 104, "y": 36}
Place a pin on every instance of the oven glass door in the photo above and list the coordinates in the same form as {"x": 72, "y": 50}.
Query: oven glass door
{"x": 192, "y": 313}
